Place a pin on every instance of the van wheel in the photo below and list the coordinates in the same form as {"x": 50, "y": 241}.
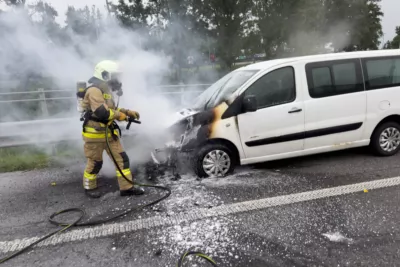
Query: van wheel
{"x": 214, "y": 160}
{"x": 385, "y": 141}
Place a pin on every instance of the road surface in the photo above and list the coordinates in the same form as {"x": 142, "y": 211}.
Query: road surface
{"x": 336, "y": 209}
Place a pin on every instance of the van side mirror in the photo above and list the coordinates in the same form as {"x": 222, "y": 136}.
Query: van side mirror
{"x": 249, "y": 103}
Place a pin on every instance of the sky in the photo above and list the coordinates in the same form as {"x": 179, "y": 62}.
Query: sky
{"x": 391, "y": 18}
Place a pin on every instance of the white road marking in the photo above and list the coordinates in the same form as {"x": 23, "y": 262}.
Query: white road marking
{"x": 199, "y": 214}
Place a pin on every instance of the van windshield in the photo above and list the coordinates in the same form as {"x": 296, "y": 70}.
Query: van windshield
{"x": 222, "y": 89}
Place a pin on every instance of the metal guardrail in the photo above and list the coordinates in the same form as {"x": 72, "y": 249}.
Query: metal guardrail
{"x": 47, "y": 130}
{"x": 38, "y": 132}
{"x": 180, "y": 90}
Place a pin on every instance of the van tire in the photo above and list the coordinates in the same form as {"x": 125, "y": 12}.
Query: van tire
{"x": 199, "y": 156}
{"x": 375, "y": 139}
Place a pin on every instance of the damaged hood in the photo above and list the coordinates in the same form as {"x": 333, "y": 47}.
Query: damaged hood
{"x": 219, "y": 92}
{"x": 179, "y": 116}
{"x": 176, "y": 125}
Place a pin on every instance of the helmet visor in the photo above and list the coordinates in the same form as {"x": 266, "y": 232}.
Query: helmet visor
{"x": 115, "y": 81}
{"x": 116, "y": 76}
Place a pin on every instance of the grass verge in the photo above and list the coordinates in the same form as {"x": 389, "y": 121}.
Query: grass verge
{"x": 30, "y": 157}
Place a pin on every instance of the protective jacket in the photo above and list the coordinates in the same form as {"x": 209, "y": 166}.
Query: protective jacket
{"x": 100, "y": 111}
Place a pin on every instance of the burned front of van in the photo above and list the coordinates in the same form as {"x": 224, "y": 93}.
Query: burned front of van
{"x": 196, "y": 128}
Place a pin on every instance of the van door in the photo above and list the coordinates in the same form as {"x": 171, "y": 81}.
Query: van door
{"x": 335, "y": 107}
{"x": 277, "y": 127}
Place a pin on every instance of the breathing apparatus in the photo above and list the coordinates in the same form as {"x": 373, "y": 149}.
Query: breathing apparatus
{"x": 80, "y": 94}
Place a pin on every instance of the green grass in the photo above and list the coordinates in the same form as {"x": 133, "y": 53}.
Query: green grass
{"x": 29, "y": 157}
{"x": 18, "y": 159}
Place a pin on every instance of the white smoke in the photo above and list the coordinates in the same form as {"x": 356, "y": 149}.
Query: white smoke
{"x": 309, "y": 42}
{"x": 26, "y": 47}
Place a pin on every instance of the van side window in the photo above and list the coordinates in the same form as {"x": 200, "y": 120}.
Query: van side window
{"x": 334, "y": 78}
{"x": 322, "y": 80}
{"x": 275, "y": 88}
{"x": 381, "y": 72}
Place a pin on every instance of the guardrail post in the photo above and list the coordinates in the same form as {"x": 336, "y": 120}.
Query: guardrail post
{"x": 45, "y": 113}
{"x": 43, "y": 103}
{"x": 182, "y": 93}
{"x": 54, "y": 149}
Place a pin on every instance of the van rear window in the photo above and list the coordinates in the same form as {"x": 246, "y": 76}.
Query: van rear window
{"x": 334, "y": 78}
{"x": 382, "y": 72}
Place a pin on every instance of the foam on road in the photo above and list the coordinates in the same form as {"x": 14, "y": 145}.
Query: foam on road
{"x": 198, "y": 214}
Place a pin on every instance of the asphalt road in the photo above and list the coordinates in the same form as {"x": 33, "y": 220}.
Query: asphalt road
{"x": 357, "y": 229}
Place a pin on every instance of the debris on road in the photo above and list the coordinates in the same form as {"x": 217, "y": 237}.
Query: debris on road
{"x": 212, "y": 236}
{"x": 338, "y": 237}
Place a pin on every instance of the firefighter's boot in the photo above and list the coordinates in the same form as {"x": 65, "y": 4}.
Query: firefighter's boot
{"x": 134, "y": 191}
{"x": 93, "y": 193}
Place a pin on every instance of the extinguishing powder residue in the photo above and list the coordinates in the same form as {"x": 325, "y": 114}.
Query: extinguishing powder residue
{"x": 212, "y": 236}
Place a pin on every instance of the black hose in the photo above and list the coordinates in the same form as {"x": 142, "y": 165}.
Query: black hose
{"x": 101, "y": 221}
{"x": 7, "y": 258}
{"x": 67, "y": 225}
{"x": 198, "y": 254}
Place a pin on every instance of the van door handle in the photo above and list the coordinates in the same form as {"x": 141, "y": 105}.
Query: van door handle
{"x": 295, "y": 110}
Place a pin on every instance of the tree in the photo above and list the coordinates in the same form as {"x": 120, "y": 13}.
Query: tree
{"x": 274, "y": 20}
{"x": 166, "y": 25}
{"x": 14, "y": 2}
{"x": 299, "y": 27}
{"x": 395, "y": 43}
{"x": 44, "y": 16}
{"x": 363, "y": 22}
{"x": 133, "y": 14}
{"x": 84, "y": 22}
{"x": 43, "y": 12}
{"x": 182, "y": 32}
{"x": 226, "y": 23}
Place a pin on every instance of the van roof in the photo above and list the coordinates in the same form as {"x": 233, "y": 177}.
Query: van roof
{"x": 331, "y": 56}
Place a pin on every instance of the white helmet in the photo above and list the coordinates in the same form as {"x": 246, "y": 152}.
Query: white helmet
{"x": 107, "y": 70}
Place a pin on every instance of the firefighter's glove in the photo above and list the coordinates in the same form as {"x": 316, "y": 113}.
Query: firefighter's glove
{"x": 122, "y": 117}
{"x": 133, "y": 114}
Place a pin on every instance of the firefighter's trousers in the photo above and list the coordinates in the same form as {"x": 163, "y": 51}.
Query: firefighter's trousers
{"x": 94, "y": 155}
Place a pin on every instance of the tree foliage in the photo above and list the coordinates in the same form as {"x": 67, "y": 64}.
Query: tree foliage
{"x": 14, "y": 2}
{"x": 174, "y": 27}
{"x": 84, "y": 21}
{"x": 395, "y": 43}
{"x": 275, "y": 28}
{"x": 226, "y": 24}
{"x": 133, "y": 14}
{"x": 45, "y": 15}
{"x": 363, "y": 19}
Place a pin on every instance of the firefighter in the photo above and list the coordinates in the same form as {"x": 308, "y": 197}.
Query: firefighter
{"x": 100, "y": 112}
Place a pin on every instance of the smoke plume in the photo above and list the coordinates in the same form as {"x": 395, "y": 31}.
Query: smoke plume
{"x": 26, "y": 48}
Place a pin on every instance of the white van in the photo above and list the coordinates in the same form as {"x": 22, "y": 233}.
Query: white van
{"x": 293, "y": 107}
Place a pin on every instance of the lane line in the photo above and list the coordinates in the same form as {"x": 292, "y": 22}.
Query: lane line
{"x": 199, "y": 214}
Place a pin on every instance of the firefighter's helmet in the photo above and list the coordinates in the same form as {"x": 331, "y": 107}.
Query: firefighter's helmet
{"x": 107, "y": 70}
